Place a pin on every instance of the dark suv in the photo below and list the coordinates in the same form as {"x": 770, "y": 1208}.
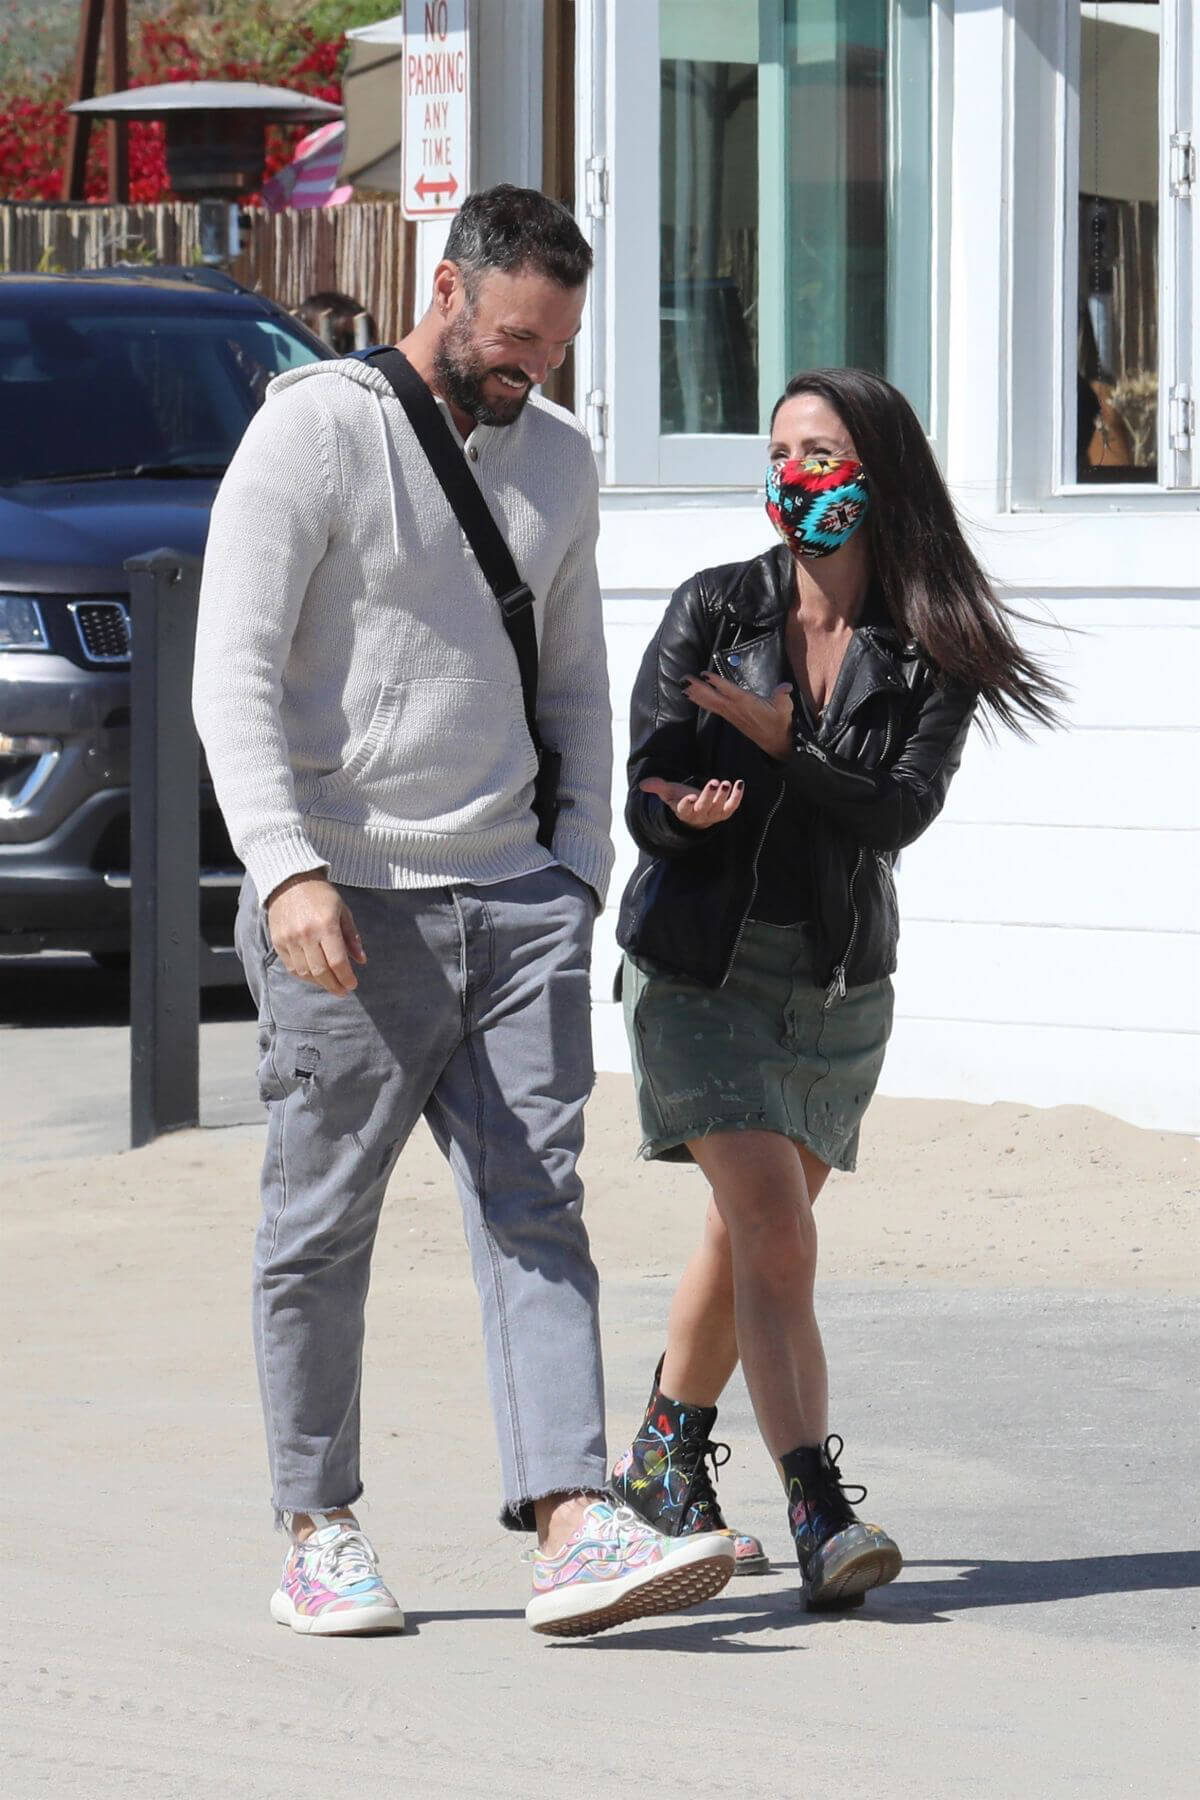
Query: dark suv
{"x": 123, "y": 395}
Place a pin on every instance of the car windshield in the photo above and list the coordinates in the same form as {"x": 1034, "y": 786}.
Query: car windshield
{"x": 93, "y": 394}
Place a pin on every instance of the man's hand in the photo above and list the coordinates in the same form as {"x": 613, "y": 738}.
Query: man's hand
{"x": 314, "y": 933}
{"x": 767, "y": 723}
{"x": 699, "y": 807}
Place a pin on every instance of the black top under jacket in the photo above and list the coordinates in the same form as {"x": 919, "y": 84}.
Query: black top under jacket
{"x": 865, "y": 782}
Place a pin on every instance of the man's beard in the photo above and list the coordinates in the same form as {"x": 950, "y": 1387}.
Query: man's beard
{"x": 460, "y": 376}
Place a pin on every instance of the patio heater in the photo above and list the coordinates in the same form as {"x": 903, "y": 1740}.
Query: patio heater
{"x": 216, "y": 143}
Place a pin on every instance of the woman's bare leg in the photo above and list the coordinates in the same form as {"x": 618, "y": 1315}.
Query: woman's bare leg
{"x": 761, "y": 1196}
{"x": 702, "y": 1350}
{"x": 701, "y": 1333}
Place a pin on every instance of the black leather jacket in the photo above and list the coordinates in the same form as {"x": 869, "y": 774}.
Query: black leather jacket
{"x": 872, "y": 777}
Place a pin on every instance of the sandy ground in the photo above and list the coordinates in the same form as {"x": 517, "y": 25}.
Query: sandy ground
{"x": 1006, "y": 1302}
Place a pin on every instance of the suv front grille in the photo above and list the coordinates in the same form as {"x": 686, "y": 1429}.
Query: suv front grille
{"x": 103, "y": 627}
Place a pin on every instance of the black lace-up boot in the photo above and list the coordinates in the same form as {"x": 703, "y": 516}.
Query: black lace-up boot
{"x": 664, "y": 1475}
{"x": 840, "y": 1557}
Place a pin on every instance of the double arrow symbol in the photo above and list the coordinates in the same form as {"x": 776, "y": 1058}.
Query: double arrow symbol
{"x": 424, "y": 187}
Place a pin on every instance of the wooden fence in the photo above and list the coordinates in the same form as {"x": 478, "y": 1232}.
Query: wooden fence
{"x": 364, "y": 248}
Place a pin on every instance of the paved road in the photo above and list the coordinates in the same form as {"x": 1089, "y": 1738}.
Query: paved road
{"x": 1038, "y": 1643}
{"x": 1029, "y": 1448}
{"x": 64, "y": 1058}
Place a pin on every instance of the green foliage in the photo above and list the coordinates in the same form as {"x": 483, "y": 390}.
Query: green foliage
{"x": 327, "y": 18}
{"x": 38, "y": 37}
{"x": 135, "y": 250}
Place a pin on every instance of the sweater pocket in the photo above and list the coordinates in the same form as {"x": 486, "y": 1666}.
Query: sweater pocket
{"x": 436, "y": 751}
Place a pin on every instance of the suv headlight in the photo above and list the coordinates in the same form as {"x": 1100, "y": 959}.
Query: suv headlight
{"x": 21, "y": 624}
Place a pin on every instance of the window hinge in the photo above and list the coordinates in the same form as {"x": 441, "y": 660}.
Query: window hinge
{"x": 1183, "y": 165}
{"x": 1182, "y": 416}
{"x": 597, "y": 418}
{"x": 596, "y": 192}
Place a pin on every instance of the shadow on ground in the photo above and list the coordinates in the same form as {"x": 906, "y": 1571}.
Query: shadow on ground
{"x": 748, "y": 1610}
{"x": 71, "y": 991}
{"x": 1027, "y": 1583}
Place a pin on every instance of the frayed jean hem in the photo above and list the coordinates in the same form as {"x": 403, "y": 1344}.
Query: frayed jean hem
{"x": 284, "y": 1513}
{"x": 518, "y": 1515}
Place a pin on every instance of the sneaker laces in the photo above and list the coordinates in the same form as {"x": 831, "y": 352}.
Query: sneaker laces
{"x": 609, "y": 1520}
{"x": 349, "y": 1558}
{"x": 625, "y": 1522}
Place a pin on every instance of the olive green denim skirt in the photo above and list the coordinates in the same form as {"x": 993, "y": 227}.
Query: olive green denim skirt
{"x": 762, "y": 1053}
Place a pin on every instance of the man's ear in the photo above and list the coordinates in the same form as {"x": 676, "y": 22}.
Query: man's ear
{"x": 449, "y": 290}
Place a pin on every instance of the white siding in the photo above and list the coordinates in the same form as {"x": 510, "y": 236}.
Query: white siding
{"x": 1049, "y": 944}
{"x": 1050, "y": 950}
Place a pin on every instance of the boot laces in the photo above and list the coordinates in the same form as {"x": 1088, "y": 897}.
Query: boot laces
{"x": 842, "y": 1494}
{"x": 704, "y": 1490}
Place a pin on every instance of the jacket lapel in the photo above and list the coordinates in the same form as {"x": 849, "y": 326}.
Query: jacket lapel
{"x": 869, "y": 668}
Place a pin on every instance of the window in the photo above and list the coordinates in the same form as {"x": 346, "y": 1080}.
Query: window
{"x": 1134, "y": 387}
{"x": 778, "y": 154}
{"x": 100, "y": 391}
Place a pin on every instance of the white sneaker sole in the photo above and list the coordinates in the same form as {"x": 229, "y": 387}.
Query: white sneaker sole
{"x": 335, "y": 1624}
{"x": 695, "y": 1571}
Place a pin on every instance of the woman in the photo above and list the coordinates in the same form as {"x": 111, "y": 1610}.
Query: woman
{"x": 795, "y": 723}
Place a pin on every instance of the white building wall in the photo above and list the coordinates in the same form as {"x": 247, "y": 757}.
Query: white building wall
{"x": 1049, "y": 945}
{"x": 1049, "y": 950}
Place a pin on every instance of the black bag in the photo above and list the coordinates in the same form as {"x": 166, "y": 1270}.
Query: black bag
{"x": 493, "y": 556}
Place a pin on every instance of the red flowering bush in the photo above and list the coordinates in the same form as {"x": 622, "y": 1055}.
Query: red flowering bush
{"x": 33, "y": 131}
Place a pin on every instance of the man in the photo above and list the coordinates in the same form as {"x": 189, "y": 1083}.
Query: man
{"x": 412, "y": 947}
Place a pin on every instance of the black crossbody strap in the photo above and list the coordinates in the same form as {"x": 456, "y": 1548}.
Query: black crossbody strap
{"x": 472, "y": 512}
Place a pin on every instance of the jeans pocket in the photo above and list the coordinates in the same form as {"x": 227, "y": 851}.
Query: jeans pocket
{"x": 270, "y": 1086}
{"x": 269, "y": 953}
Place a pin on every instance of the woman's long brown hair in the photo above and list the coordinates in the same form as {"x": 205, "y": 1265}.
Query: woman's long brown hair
{"x": 932, "y": 584}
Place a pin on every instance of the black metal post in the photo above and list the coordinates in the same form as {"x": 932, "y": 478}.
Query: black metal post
{"x": 79, "y": 125}
{"x": 164, "y": 989}
{"x": 116, "y": 30}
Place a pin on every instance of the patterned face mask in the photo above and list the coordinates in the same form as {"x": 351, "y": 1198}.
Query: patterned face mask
{"x": 817, "y": 503}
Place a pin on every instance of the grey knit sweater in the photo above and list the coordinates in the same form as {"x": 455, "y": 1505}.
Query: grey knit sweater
{"x": 355, "y": 690}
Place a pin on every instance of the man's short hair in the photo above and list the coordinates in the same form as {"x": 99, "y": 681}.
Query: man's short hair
{"x": 513, "y": 228}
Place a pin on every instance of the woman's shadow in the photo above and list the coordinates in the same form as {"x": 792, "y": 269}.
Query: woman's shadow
{"x": 746, "y": 1610}
{"x": 1023, "y": 1582}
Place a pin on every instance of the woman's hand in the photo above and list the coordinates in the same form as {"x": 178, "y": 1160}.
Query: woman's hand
{"x": 767, "y": 723}
{"x": 699, "y": 807}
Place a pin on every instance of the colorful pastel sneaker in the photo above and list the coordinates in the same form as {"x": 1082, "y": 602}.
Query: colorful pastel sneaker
{"x": 840, "y": 1557}
{"x": 663, "y": 1476}
{"x": 331, "y": 1584}
{"x": 615, "y": 1568}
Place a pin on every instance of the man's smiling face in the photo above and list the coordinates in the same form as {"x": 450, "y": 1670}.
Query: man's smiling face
{"x": 503, "y": 336}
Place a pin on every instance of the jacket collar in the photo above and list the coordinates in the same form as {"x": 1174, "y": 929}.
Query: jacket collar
{"x": 873, "y": 657}
{"x": 871, "y": 666}
{"x": 764, "y": 591}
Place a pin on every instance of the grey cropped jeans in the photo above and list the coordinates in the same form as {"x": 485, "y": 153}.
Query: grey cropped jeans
{"x": 473, "y": 1010}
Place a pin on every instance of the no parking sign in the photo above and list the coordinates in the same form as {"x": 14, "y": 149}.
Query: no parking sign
{"x": 436, "y": 143}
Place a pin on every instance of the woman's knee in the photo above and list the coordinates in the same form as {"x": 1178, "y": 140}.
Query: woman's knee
{"x": 770, "y": 1231}
{"x": 716, "y": 1235}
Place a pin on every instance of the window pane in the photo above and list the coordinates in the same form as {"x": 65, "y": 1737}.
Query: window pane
{"x": 1117, "y": 373}
{"x": 100, "y": 390}
{"x": 709, "y": 295}
{"x": 777, "y": 211}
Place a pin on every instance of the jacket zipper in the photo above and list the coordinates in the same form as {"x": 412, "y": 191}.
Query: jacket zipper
{"x": 754, "y": 878}
{"x": 637, "y": 884}
{"x": 847, "y": 719}
{"x": 837, "y": 986}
